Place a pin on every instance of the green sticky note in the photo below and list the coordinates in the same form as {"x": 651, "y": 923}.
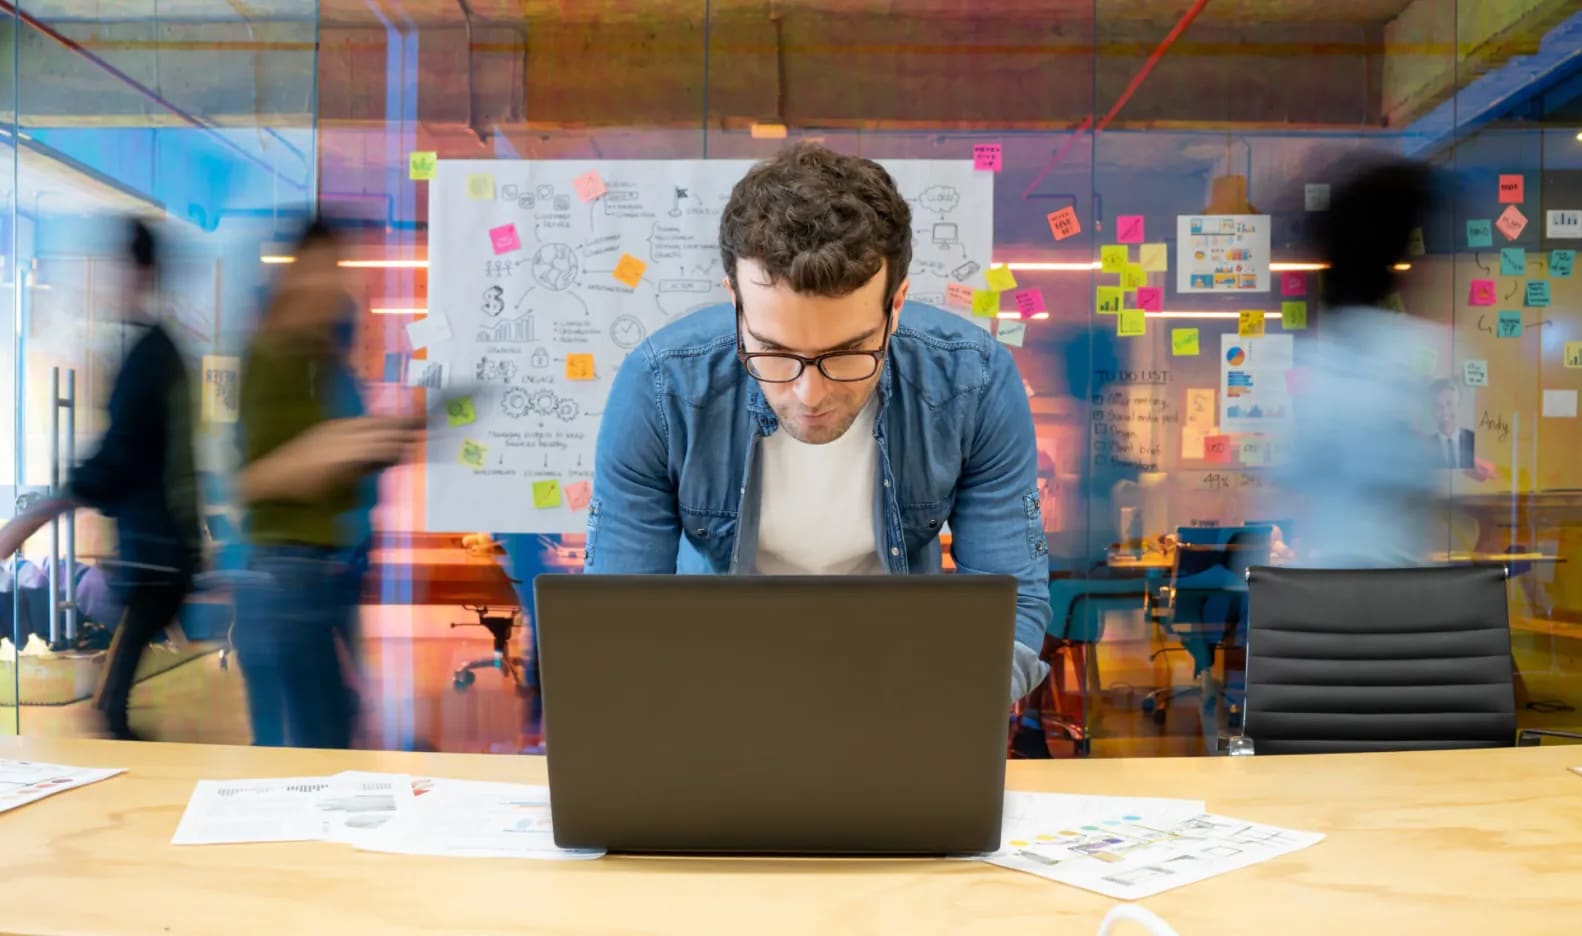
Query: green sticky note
{"x": 985, "y": 303}
{"x": 460, "y": 412}
{"x": 1000, "y": 279}
{"x": 1113, "y": 258}
{"x": 546, "y": 494}
{"x": 472, "y": 454}
{"x": 1134, "y": 276}
{"x": 1510, "y": 325}
{"x": 420, "y": 165}
{"x": 1293, "y": 315}
{"x": 1130, "y": 323}
{"x": 1561, "y": 262}
{"x": 1480, "y": 233}
{"x": 1109, "y": 299}
{"x": 1513, "y": 261}
{"x": 1184, "y": 342}
{"x": 1537, "y": 294}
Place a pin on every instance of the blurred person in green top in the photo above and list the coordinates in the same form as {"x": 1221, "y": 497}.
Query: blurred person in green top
{"x": 311, "y": 457}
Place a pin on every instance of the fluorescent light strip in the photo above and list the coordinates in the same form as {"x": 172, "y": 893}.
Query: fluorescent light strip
{"x": 397, "y": 310}
{"x": 355, "y": 264}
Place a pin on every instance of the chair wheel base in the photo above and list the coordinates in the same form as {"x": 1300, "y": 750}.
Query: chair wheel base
{"x": 463, "y": 680}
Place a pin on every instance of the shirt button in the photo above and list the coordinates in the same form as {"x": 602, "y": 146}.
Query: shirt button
{"x": 895, "y": 551}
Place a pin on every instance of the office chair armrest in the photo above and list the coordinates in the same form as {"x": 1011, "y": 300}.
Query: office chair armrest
{"x": 1532, "y": 737}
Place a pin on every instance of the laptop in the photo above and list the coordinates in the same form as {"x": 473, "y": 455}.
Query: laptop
{"x": 847, "y": 715}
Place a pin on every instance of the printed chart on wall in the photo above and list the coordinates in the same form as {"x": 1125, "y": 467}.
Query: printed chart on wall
{"x": 1254, "y": 389}
{"x": 544, "y": 276}
{"x": 1222, "y": 253}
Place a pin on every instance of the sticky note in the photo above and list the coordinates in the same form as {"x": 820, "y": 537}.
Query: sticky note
{"x": 1481, "y": 293}
{"x": 1573, "y": 358}
{"x": 577, "y": 494}
{"x": 1114, "y": 257}
{"x": 1000, "y": 278}
{"x": 1254, "y": 451}
{"x": 546, "y": 494}
{"x": 503, "y": 239}
{"x": 579, "y": 367}
{"x": 1510, "y": 325}
{"x": 987, "y": 157}
{"x": 1414, "y": 243}
{"x": 958, "y": 295}
{"x": 1150, "y": 298}
{"x": 1537, "y": 294}
{"x": 1011, "y": 332}
{"x": 1029, "y": 302}
{"x": 1560, "y": 404}
{"x": 460, "y": 412}
{"x": 629, "y": 270}
{"x": 1480, "y": 233}
{"x": 1512, "y": 189}
{"x": 420, "y": 165}
{"x": 1293, "y": 284}
{"x": 1064, "y": 223}
{"x": 1561, "y": 263}
{"x": 1109, "y": 299}
{"x": 588, "y": 185}
{"x": 1129, "y": 229}
{"x": 1216, "y": 449}
{"x": 1315, "y": 196}
{"x": 1130, "y": 323}
{"x": 1475, "y": 373}
{"x": 1293, "y": 315}
{"x": 1154, "y": 258}
{"x": 472, "y": 454}
{"x": 1134, "y": 277}
{"x": 427, "y": 331}
{"x": 1249, "y": 323}
{"x": 1184, "y": 342}
{"x": 985, "y": 303}
{"x": 480, "y": 186}
{"x": 1511, "y": 222}
{"x": 1513, "y": 261}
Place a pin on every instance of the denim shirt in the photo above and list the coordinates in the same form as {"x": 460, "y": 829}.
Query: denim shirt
{"x": 677, "y": 477}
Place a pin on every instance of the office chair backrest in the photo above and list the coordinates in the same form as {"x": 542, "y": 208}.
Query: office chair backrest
{"x": 1378, "y": 660}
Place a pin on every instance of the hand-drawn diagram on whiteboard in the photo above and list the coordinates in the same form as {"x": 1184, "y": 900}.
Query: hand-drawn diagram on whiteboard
{"x": 546, "y": 291}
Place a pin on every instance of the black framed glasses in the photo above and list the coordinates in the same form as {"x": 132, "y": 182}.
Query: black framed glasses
{"x": 839, "y": 366}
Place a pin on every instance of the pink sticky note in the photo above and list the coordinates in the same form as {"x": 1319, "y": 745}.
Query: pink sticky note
{"x": 1511, "y": 222}
{"x": 1029, "y": 302}
{"x": 1216, "y": 449}
{"x": 958, "y": 295}
{"x": 1512, "y": 189}
{"x": 577, "y": 494}
{"x": 986, "y": 157}
{"x": 1150, "y": 298}
{"x": 1293, "y": 284}
{"x": 1481, "y": 293}
{"x": 504, "y": 239}
{"x": 588, "y": 185}
{"x": 1129, "y": 229}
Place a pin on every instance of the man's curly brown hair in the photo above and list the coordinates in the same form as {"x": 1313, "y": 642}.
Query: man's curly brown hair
{"x": 822, "y": 222}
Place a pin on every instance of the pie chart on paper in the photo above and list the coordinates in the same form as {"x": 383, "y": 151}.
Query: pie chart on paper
{"x": 1235, "y": 356}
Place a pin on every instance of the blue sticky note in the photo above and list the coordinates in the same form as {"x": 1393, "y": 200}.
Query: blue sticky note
{"x": 1513, "y": 261}
{"x": 1510, "y": 325}
{"x": 1537, "y": 293}
{"x": 1561, "y": 262}
{"x": 1480, "y": 233}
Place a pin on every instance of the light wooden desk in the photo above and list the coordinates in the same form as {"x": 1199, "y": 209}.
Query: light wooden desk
{"x": 1457, "y": 842}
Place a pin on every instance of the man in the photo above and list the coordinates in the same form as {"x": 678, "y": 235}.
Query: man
{"x": 1453, "y": 448}
{"x": 815, "y": 425}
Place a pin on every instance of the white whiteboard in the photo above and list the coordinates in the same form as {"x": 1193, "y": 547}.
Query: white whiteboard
{"x": 514, "y": 316}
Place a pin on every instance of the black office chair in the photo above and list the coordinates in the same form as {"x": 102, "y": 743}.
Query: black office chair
{"x": 1379, "y": 660}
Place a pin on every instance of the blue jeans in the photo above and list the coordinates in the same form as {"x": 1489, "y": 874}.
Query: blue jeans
{"x": 286, "y": 630}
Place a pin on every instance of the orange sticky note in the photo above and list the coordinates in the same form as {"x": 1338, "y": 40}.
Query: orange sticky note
{"x": 1512, "y": 189}
{"x": 577, "y": 494}
{"x": 1250, "y": 323}
{"x": 629, "y": 270}
{"x": 588, "y": 185}
{"x": 1216, "y": 449}
{"x": 1064, "y": 223}
{"x": 579, "y": 367}
{"x": 958, "y": 295}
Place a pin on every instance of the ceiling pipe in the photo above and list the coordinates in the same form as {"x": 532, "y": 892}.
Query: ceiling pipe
{"x": 78, "y": 48}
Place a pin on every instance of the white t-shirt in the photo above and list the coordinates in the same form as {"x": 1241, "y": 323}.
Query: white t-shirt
{"x": 816, "y": 503}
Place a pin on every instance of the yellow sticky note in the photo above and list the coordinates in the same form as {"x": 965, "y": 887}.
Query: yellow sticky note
{"x": 420, "y": 165}
{"x": 480, "y": 186}
{"x": 1109, "y": 299}
{"x": 546, "y": 494}
{"x": 1133, "y": 277}
{"x": 1000, "y": 279}
{"x": 1153, "y": 258}
{"x": 472, "y": 454}
{"x": 630, "y": 270}
{"x": 985, "y": 303}
{"x": 579, "y": 367}
{"x": 1293, "y": 315}
{"x": 1250, "y": 323}
{"x": 460, "y": 412}
{"x": 1183, "y": 342}
{"x": 1131, "y": 323}
{"x": 1113, "y": 258}
{"x": 1573, "y": 355}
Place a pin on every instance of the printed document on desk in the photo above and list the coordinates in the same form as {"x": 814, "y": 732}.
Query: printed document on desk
{"x": 289, "y": 809}
{"x": 23, "y": 782}
{"x": 474, "y": 819}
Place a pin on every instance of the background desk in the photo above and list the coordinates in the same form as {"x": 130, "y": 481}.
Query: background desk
{"x": 1454, "y": 842}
